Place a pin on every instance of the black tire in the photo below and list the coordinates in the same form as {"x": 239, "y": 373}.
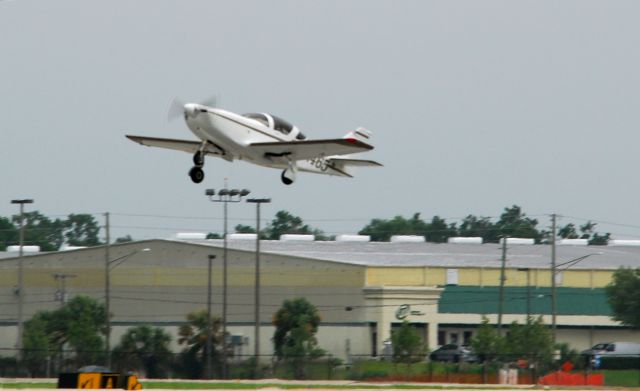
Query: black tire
{"x": 198, "y": 159}
{"x": 196, "y": 174}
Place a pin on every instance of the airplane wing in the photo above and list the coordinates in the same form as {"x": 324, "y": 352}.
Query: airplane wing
{"x": 178, "y": 145}
{"x": 309, "y": 149}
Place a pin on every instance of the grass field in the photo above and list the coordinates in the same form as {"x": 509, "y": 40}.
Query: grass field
{"x": 622, "y": 378}
{"x": 200, "y": 385}
{"x": 613, "y": 378}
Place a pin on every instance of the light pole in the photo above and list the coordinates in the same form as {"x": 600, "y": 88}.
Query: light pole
{"x": 256, "y": 350}
{"x": 109, "y": 265}
{"x": 503, "y": 278}
{"x": 528, "y": 270}
{"x": 209, "y": 331}
{"x": 225, "y": 196}
{"x": 21, "y": 276}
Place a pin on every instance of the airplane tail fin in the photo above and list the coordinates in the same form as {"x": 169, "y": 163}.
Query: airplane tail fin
{"x": 360, "y": 134}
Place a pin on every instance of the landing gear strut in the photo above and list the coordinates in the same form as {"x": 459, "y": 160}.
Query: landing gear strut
{"x": 196, "y": 174}
{"x": 289, "y": 175}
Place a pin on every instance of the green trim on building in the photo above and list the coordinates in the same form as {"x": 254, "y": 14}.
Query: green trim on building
{"x": 457, "y": 299}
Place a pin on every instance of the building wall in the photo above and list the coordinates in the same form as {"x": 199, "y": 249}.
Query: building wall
{"x": 163, "y": 285}
{"x": 481, "y": 276}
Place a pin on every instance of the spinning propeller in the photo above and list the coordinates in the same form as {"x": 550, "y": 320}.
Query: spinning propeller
{"x": 176, "y": 107}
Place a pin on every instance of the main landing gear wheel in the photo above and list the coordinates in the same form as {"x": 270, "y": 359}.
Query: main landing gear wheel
{"x": 196, "y": 174}
{"x": 285, "y": 179}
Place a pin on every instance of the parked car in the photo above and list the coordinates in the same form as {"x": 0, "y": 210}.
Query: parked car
{"x": 453, "y": 353}
{"x": 614, "y": 349}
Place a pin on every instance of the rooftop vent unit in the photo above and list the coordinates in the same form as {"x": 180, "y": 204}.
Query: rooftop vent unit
{"x": 519, "y": 241}
{"x": 465, "y": 240}
{"x": 624, "y": 242}
{"x": 25, "y": 249}
{"x": 297, "y": 238}
{"x": 407, "y": 239}
{"x": 191, "y": 236}
{"x": 353, "y": 238}
{"x": 572, "y": 242}
{"x": 237, "y": 236}
{"x": 66, "y": 247}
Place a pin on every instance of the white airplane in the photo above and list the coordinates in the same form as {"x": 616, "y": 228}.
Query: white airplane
{"x": 265, "y": 140}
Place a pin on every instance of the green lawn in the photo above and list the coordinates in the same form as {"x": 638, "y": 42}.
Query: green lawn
{"x": 359, "y": 371}
{"x": 621, "y": 377}
{"x": 178, "y": 385}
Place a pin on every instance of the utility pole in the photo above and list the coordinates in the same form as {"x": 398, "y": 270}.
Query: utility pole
{"x": 107, "y": 293}
{"x": 256, "y": 348}
{"x": 553, "y": 277}
{"x": 528, "y": 270}
{"x": 502, "y": 280}
{"x": 209, "y": 325}
{"x": 21, "y": 277}
{"x": 224, "y": 295}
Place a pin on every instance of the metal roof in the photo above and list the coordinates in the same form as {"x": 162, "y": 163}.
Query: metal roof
{"x": 442, "y": 255}
{"x": 422, "y": 254}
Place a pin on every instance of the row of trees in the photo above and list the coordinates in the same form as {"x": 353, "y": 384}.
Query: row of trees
{"x": 50, "y": 234}
{"x": 531, "y": 341}
{"x": 73, "y": 336}
{"x": 83, "y": 229}
{"x": 513, "y": 222}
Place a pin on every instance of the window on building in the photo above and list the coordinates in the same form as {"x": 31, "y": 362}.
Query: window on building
{"x": 466, "y": 337}
{"x": 453, "y": 338}
{"x": 442, "y": 337}
{"x": 452, "y": 276}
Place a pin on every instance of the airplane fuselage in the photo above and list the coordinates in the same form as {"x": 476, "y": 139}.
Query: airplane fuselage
{"x": 233, "y": 133}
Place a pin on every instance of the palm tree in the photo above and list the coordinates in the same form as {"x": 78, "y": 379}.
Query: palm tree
{"x": 193, "y": 335}
{"x": 145, "y": 349}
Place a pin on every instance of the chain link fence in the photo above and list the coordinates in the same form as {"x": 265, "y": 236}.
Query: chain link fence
{"x": 615, "y": 371}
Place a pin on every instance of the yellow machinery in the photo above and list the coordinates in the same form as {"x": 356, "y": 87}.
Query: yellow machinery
{"x": 98, "y": 380}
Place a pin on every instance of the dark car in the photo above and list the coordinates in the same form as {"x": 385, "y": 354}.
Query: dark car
{"x": 453, "y": 353}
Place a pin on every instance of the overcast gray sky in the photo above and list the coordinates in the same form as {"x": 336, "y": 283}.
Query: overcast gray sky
{"x": 474, "y": 106}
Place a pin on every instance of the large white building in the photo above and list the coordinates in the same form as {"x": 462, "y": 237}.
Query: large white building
{"x": 362, "y": 289}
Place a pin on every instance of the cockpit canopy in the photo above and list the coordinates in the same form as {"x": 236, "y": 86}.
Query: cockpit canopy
{"x": 276, "y": 123}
